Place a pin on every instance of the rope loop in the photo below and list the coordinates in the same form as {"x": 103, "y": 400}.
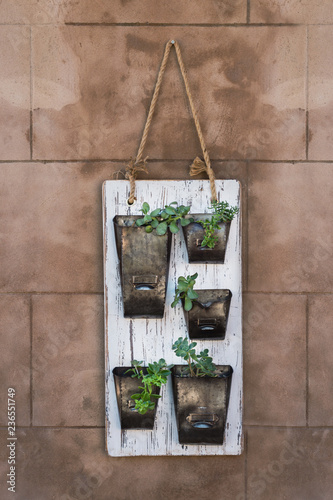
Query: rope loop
{"x": 198, "y": 165}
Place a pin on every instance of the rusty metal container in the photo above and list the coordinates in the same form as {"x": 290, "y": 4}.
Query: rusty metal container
{"x": 194, "y": 235}
{"x": 201, "y": 405}
{"x": 144, "y": 266}
{"x": 209, "y": 315}
{"x": 126, "y": 386}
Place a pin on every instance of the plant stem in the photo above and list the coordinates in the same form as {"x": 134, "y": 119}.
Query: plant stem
{"x": 190, "y": 366}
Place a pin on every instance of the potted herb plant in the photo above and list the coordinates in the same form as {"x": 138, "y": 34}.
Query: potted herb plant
{"x": 207, "y": 236}
{"x": 138, "y": 391}
{"x": 206, "y": 311}
{"x": 201, "y": 392}
{"x": 143, "y": 248}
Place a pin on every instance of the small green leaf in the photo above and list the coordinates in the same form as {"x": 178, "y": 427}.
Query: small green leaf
{"x": 182, "y": 286}
{"x": 173, "y": 227}
{"x": 192, "y": 294}
{"x": 140, "y": 222}
{"x": 170, "y": 211}
{"x": 155, "y": 213}
{"x": 188, "y": 304}
{"x": 135, "y": 396}
{"x": 185, "y": 222}
{"x": 145, "y": 208}
{"x": 161, "y": 229}
{"x": 154, "y": 223}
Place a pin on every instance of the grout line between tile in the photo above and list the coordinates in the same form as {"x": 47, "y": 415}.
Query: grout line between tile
{"x": 197, "y": 25}
{"x": 245, "y": 465}
{"x": 165, "y": 160}
{"x": 31, "y": 104}
{"x": 307, "y": 96}
{"x": 293, "y": 162}
{"x": 287, "y": 293}
{"x": 246, "y": 426}
{"x": 307, "y": 362}
{"x": 248, "y": 11}
{"x": 257, "y": 426}
{"x": 20, "y": 292}
{"x": 51, "y": 293}
{"x": 31, "y": 377}
{"x": 307, "y": 134}
{"x": 152, "y": 25}
{"x": 56, "y": 427}
{"x": 168, "y": 160}
{"x": 246, "y": 274}
{"x": 125, "y": 160}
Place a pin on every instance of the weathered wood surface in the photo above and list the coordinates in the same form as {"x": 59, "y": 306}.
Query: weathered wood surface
{"x": 151, "y": 339}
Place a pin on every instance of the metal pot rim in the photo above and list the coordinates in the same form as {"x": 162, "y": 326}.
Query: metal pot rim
{"x": 120, "y": 220}
{"x": 222, "y": 291}
{"x": 202, "y": 217}
{"x": 176, "y": 372}
{"x": 120, "y": 371}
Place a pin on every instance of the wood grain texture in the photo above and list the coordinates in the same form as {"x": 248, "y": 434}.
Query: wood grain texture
{"x": 151, "y": 339}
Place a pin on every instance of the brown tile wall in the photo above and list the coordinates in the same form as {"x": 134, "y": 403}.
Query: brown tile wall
{"x": 75, "y": 85}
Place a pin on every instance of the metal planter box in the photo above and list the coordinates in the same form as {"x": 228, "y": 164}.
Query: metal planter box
{"x": 125, "y": 387}
{"x": 144, "y": 265}
{"x": 194, "y": 235}
{"x": 201, "y": 405}
{"x": 209, "y": 315}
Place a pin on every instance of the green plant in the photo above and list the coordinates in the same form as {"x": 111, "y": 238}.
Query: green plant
{"x": 199, "y": 365}
{"x": 185, "y": 291}
{"x": 162, "y": 218}
{"x": 157, "y": 375}
{"x": 222, "y": 212}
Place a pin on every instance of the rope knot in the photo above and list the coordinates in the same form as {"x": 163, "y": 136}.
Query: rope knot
{"x": 198, "y": 166}
{"x": 134, "y": 166}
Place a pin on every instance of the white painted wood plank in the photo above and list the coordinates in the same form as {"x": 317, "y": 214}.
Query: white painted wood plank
{"x": 152, "y": 339}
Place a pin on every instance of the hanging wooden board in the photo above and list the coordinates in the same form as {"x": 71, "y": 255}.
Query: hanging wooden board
{"x": 152, "y": 339}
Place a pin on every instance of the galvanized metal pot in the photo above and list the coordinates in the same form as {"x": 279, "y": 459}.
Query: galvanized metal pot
{"x": 201, "y": 405}
{"x": 194, "y": 235}
{"x": 209, "y": 315}
{"x": 126, "y": 386}
{"x": 144, "y": 265}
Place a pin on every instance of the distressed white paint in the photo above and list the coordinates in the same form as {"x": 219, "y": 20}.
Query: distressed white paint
{"x": 151, "y": 339}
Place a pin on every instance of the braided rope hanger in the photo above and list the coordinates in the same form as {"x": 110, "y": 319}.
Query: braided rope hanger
{"x": 140, "y": 164}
